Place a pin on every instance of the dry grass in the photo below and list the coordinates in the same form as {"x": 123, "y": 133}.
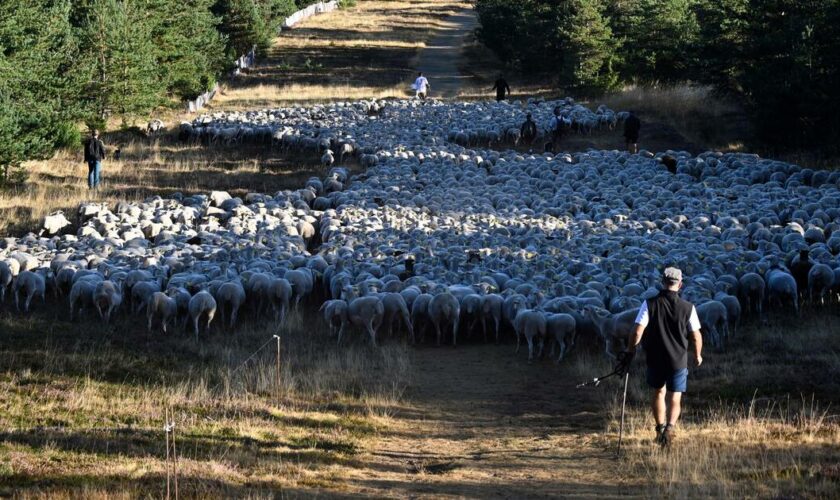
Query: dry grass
{"x": 366, "y": 51}
{"x": 704, "y": 119}
{"x": 146, "y": 168}
{"x": 267, "y": 96}
{"x": 83, "y": 409}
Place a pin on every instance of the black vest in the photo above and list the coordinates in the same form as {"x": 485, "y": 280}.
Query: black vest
{"x": 666, "y": 336}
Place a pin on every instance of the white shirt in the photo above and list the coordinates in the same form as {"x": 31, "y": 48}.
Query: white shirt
{"x": 643, "y": 318}
{"x": 420, "y": 84}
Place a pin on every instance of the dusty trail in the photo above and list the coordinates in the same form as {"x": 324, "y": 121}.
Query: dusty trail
{"x": 439, "y": 61}
{"x": 480, "y": 422}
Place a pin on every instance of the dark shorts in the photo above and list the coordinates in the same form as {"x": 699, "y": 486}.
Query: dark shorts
{"x": 673, "y": 380}
{"x": 631, "y": 139}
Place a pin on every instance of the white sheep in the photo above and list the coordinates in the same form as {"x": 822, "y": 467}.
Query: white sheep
{"x": 202, "y": 307}
{"x": 161, "y": 307}
{"x": 107, "y": 299}
{"x": 444, "y": 312}
{"x": 29, "y": 284}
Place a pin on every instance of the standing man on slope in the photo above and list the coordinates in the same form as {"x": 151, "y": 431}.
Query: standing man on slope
{"x": 421, "y": 86}
{"x": 501, "y": 87}
{"x": 94, "y": 154}
{"x": 631, "y": 132}
{"x": 663, "y": 326}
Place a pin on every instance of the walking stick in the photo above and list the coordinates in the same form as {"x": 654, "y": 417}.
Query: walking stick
{"x": 623, "y": 404}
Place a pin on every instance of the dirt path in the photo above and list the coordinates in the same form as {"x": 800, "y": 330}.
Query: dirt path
{"x": 480, "y": 422}
{"x": 441, "y": 58}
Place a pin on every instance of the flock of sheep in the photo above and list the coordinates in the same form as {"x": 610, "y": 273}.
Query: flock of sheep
{"x": 435, "y": 238}
{"x": 366, "y": 127}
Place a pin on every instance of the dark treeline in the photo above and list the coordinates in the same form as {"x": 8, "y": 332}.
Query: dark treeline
{"x": 779, "y": 57}
{"x": 65, "y": 62}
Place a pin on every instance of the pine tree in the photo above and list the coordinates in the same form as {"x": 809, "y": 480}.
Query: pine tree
{"x": 38, "y": 91}
{"x": 501, "y": 28}
{"x": 123, "y": 68}
{"x": 190, "y": 49}
{"x": 721, "y": 43}
{"x": 790, "y": 75}
{"x": 244, "y": 23}
{"x": 657, "y": 38}
{"x": 588, "y": 46}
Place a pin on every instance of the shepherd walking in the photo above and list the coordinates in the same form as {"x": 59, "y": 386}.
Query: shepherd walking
{"x": 502, "y": 88}
{"x": 664, "y": 326}
{"x": 632, "y": 125}
{"x": 421, "y": 86}
{"x": 94, "y": 154}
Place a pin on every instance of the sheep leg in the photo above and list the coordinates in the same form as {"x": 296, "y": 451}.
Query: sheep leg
{"x": 472, "y": 327}
{"x": 437, "y": 329}
{"x": 407, "y": 320}
{"x": 530, "y": 340}
{"x": 222, "y": 315}
{"x": 454, "y": 333}
{"x": 371, "y": 331}
{"x": 341, "y": 332}
{"x": 210, "y": 319}
{"x": 149, "y": 322}
{"x": 562, "y": 350}
{"x": 498, "y": 329}
{"x": 29, "y": 301}
{"x": 281, "y": 313}
{"x": 234, "y": 311}
{"x": 517, "y": 341}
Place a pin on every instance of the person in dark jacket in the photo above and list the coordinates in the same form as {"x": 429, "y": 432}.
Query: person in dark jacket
{"x": 670, "y": 163}
{"x": 528, "y": 130}
{"x": 94, "y": 154}
{"x": 664, "y": 326}
{"x": 799, "y": 269}
{"x": 631, "y": 132}
{"x": 409, "y": 269}
{"x": 502, "y": 88}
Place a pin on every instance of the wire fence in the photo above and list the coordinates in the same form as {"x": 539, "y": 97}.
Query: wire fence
{"x": 248, "y": 60}
{"x": 306, "y": 13}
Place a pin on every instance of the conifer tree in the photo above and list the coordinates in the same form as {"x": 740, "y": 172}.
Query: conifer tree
{"x": 190, "y": 49}
{"x": 123, "y": 69}
{"x": 588, "y": 47}
{"x": 38, "y": 83}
